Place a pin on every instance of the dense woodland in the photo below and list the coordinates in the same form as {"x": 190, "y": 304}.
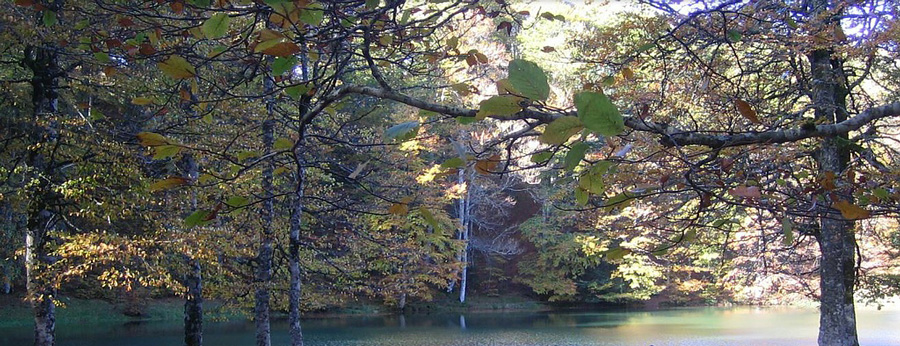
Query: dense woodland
{"x": 285, "y": 156}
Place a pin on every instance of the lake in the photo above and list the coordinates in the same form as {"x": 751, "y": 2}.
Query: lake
{"x": 689, "y": 326}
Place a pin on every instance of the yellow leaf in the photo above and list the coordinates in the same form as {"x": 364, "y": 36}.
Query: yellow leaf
{"x": 280, "y": 47}
{"x": 168, "y": 183}
{"x": 141, "y": 101}
{"x": 150, "y": 139}
{"x": 177, "y": 68}
{"x": 850, "y": 211}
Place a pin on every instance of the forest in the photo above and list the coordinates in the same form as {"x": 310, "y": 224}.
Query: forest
{"x": 282, "y": 157}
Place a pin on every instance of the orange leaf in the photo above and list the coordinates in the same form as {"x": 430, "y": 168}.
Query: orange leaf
{"x": 746, "y": 192}
{"x": 399, "y": 209}
{"x": 548, "y": 49}
{"x": 628, "y": 73}
{"x": 827, "y": 181}
{"x": 850, "y": 211}
{"x": 487, "y": 166}
{"x": 747, "y": 111}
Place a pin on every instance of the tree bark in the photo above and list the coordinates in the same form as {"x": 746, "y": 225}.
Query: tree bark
{"x": 837, "y": 242}
{"x": 193, "y": 306}
{"x": 294, "y": 261}
{"x": 261, "y": 311}
{"x": 40, "y": 293}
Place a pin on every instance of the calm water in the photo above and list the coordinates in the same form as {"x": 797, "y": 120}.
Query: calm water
{"x": 695, "y": 326}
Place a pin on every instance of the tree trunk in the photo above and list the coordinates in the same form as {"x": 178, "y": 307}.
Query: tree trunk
{"x": 42, "y": 61}
{"x": 294, "y": 261}
{"x": 265, "y": 252}
{"x": 837, "y": 242}
{"x": 193, "y": 306}
{"x": 40, "y": 293}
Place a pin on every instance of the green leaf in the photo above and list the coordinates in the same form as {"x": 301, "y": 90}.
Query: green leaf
{"x": 402, "y": 132}
{"x": 592, "y": 183}
{"x": 371, "y": 4}
{"x": 581, "y": 196}
{"x": 787, "y": 227}
{"x": 151, "y": 139}
{"x": 168, "y": 183}
{"x": 616, "y": 254}
{"x": 200, "y": 3}
{"x": 282, "y": 65}
{"x": 283, "y": 144}
{"x": 529, "y": 79}
{"x": 618, "y": 202}
{"x": 216, "y": 26}
{"x": 246, "y": 154}
{"x": 734, "y": 35}
{"x": 882, "y": 194}
{"x": 502, "y": 105}
{"x": 559, "y": 131}
{"x": 165, "y": 151}
{"x": 313, "y": 14}
{"x": 177, "y": 68}
{"x": 429, "y": 218}
{"x": 49, "y": 18}
{"x": 575, "y": 155}
{"x": 466, "y": 120}
{"x": 599, "y": 114}
{"x": 455, "y": 162}
{"x": 237, "y": 202}
{"x": 96, "y": 115}
{"x": 101, "y": 57}
{"x": 645, "y": 47}
{"x": 296, "y": 91}
{"x": 196, "y": 218}
{"x": 541, "y": 157}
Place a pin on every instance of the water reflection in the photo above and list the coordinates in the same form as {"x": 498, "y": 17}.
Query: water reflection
{"x": 694, "y": 327}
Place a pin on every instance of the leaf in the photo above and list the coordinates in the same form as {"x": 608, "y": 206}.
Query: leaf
{"x": 313, "y": 14}
{"x": 49, "y": 18}
{"x": 592, "y": 183}
{"x": 297, "y": 90}
{"x": 429, "y": 218}
{"x": 283, "y": 144}
{"x": 402, "y": 132}
{"x": 747, "y": 111}
{"x": 529, "y": 79}
{"x": 372, "y": 4}
{"x": 734, "y": 35}
{"x": 501, "y": 105}
{"x": 466, "y": 120}
{"x": 581, "y": 196}
{"x": 616, "y": 254}
{"x": 618, "y": 202}
{"x": 196, "y": 218}
{"x": 177, "y": 68}
{"x": 452, "y": 43}
{"x": 102, "y": 57}
{"x": 746, "y": 192}
{"x": 168, "y": 183}
{"x": 487, "y": 166}
{"x": 548, "y": 49}
{"x": 150, "y": 139}
{"x": 455, "y": 162}
{"x": 850, "y": 211}
{"x": 216, "y": 26}
{"x": 787, "y": 227}
{"x": 399, "y": 209}
{"x": 246, "y": 154}
{"x": 280, "y": 47}
{"x": 560, "y": 130}
{"x": 165, "y": 151}
{"x": 628, "y": 73}
{"x": 141, "y": 101}
{"x": 575, "y": 155}
{"x": 599, "y": 114}
{"x": 541, "y": 157}
{"x": 237, "y": 202}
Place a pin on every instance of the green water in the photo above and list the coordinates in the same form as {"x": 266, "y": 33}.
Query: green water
{"x": 694, "y": 327}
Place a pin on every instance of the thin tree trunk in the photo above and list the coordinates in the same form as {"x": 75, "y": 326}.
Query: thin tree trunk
{"x": 193, "y": 306}
{"x": 837, "y": 242}
{"x": 265, "y": 252}
{"x": 40, "y": 294}
{"x": 193, "y": 302}
{"x": 294, "y": 261}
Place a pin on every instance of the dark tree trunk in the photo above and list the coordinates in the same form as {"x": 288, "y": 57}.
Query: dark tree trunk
{"x": 837, "y": 242}
{"x": 193, "y": 306}
{"x": 42, "y": 61}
